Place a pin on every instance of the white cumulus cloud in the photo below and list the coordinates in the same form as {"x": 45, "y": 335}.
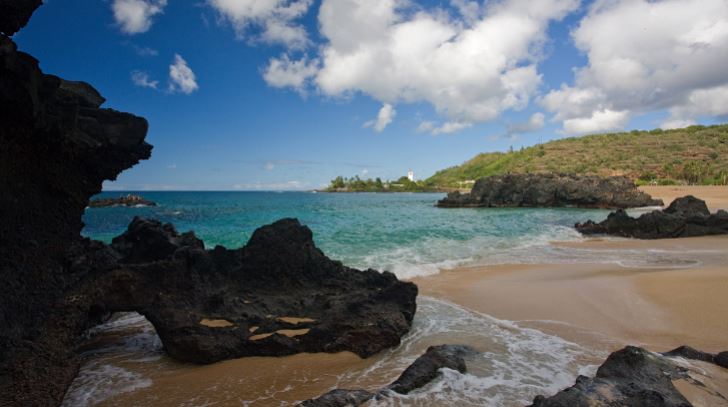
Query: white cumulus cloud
{"x": 275, "y": 19}
{"x": 646, "y": 56}
{"x": 135, "y": 16}
{"x": 384, "y": 118}
{"x": 471, "y": 66}
{"x": 181, "y": 77}
{"x": 283, "y": 72}
{"x": 534, "y": 123}
{"x": 599, "y": 121}
{"x": 142, "y": 79}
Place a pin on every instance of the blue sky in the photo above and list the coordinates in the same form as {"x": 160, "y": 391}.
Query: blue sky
{"x": 288, "y": 94}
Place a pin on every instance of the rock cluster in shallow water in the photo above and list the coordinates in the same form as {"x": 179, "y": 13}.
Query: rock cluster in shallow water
{"x": 550, "y": 190}
{"x": 685, "y": 217}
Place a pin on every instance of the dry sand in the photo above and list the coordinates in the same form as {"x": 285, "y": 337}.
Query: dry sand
{"x": 715, "y": 196}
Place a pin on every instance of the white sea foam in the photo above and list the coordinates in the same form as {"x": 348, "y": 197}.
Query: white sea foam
{"x": 514, "y": 364}
{"x": 98, "y": 382}
{"x": 101, "y": 377}
{"x": 432, "y": 255}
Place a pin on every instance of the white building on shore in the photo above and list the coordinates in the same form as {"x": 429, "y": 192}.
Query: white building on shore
{"x": 411, "y": 175}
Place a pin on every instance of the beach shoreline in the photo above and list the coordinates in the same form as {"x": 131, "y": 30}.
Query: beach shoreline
{"x": 660, "y": 306}
{"x": 599, "y": 307}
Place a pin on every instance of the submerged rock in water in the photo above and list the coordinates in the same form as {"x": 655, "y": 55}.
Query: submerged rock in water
{"x": 551, "y": 190}
{"x": 128, "y": 200}
{"x": 685, "y": 217}
{"x": 277, "y": 295}
{"x": 629, "y": 377}
{"x": 424, "y": 370}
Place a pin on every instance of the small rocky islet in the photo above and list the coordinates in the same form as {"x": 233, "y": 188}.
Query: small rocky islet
{"x": 547, "y": 190}
{"x": 131, "y": 200}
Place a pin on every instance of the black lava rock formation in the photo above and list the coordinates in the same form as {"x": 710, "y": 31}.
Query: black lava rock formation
{"x": 127, "y": 200}
{"x": 685, "y": 217}
{"x": 422, "y": 371}
{"x": 550, "y": 190}
{"x": 277, "y": 295}
{"x": 630, "y": 377}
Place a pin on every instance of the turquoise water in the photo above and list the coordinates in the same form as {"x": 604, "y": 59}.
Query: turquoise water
{"x": 402, "y": 233}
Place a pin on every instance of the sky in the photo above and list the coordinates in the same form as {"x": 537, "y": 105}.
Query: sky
{"x": 288, "y": 94}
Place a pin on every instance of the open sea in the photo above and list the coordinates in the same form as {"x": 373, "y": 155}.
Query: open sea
{"x": 403, "y": 233}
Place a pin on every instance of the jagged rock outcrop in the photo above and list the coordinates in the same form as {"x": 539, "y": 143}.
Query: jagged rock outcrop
{"x": 275, "y": 296}
{"x": 550, "y": 190}
{"x": 685, "y": 217}
{"x": 630, "y": 377}
{"x": 58, "y": 146}
{"x": 422, "y": 371}
{"x": 14, "y": 14}
{"x": 127, "y": 200}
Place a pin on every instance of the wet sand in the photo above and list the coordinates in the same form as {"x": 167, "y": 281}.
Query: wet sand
{"x": 598, "y": 304}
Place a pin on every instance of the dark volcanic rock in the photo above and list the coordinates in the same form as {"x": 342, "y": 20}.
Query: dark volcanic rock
{"x": 128, "y": 200}
{"x": 690, "y": 353}
{"x": 551, "y": 190}
{"x": 219, "y": 304}
{"x": 629, "y": 377}
{"x": 425, "y": 369}
{"x": 721, "y": 359}
{"x": 58, "y": 147}
{"x": 685, "y": 217}
{"x": 14, "y": 14}
{"x": 340, "y": 398}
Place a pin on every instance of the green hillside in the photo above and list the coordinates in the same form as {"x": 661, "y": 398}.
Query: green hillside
{"x": 693, "y": 155}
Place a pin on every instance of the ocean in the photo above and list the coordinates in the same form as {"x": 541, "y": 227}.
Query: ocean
{"x": 124, "y": 364}
{"x": 402, "y": 233}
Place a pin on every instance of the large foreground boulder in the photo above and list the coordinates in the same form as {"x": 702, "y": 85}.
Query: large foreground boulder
{"x": 275, "y": 296}
{"x": 633, "y": 377}
{"x": 685, "y": 217}
{"x": 550, "y": 190}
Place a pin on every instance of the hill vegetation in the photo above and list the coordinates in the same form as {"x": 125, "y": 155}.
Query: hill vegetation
{"x": 356, "y": 184}
{"x": 693, "y": 155}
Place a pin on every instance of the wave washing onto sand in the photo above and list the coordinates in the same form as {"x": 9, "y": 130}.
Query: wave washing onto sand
{"x": 430, "y": 256}
{"x": 515, "y": 365}
{"x": 128, "y": 338}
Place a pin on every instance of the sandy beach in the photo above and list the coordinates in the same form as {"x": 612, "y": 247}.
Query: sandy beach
{"x": 659, "y": 306}
{"x": 715, "y": 196}
{"x": 667, "y": 293}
